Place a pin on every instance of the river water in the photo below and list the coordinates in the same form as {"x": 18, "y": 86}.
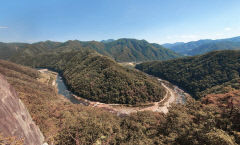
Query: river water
{"x": 63, "y": 90}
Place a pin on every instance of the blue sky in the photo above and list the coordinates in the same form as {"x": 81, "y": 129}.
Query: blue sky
{"x": 158, "y": 21}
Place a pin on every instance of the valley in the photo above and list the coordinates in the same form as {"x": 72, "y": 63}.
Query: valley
{"x": 173, "y": 95}
{"x": 156, "y": 111}
{"x": 119, "y": 72}
{"x": 99, "y": 78}
{"x": 68, "y": 90}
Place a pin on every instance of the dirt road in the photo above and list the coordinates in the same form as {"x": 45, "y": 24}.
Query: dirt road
{"x": 173, "y": 95}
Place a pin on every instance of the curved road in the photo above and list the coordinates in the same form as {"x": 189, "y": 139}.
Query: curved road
{"x": 171, "y": 96}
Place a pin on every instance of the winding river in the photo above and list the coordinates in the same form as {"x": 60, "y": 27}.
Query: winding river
{"x": 174, "y": 95}
{"x": 63, "y": 90}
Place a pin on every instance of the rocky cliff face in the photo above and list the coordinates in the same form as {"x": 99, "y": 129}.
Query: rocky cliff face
{"x": 15, "y": 119}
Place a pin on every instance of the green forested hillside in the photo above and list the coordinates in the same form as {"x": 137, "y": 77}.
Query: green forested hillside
{"x": 200, "y": 73}
{"x": 9, "y": 49}
{"x": 122, "y": 50}
{"x": 125, "y": 50}
{"x": 99, "y": 78}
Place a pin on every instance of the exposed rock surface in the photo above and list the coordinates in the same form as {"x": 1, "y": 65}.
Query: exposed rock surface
{"x": 15, "y": 119}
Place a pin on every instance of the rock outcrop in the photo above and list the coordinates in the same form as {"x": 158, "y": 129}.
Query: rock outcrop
{"x": 15, "y": 119}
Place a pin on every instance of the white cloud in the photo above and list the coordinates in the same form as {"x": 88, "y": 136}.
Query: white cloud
{"x": 227, "y": 29}
{"x": 3, "y": 27}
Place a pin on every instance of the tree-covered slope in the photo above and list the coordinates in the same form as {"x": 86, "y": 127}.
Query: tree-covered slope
{"x": 199, "y": 74}
{"x": 9, "y": 49}
{"x": 99, "y": 78}
{"x": 125, "y": 50}
{"x": 122, "y": 50}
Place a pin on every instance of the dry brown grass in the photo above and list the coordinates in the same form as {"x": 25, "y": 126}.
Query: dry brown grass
{"x": 12, "y": 140}
{"x": 223, "y": 100}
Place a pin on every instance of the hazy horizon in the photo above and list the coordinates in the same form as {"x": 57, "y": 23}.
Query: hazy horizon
{"x": 155, "y": 21}
{"x": 116, "y": 39}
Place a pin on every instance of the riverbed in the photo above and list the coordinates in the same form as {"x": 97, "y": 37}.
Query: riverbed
{"x": 174, "y": 95}
{"x": 63, "y": 90}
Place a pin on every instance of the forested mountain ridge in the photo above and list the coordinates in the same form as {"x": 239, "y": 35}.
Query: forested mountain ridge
{"x": 204, "y": 46}
{"x": 99, "y": 78}
{"x": 199, "y": 75}
{"x": 184, "y": 48}
{"x": 213, "y": 46}
{"x": 125, "y": 50}
{"x": 122, "y": 50}
{"x": 9, "y": 49}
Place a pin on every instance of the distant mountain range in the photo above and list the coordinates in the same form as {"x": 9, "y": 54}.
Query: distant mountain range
{"x": 204, "y": 46}
{"x": 122, "y": 50}
{"x": 107, "y": 41}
